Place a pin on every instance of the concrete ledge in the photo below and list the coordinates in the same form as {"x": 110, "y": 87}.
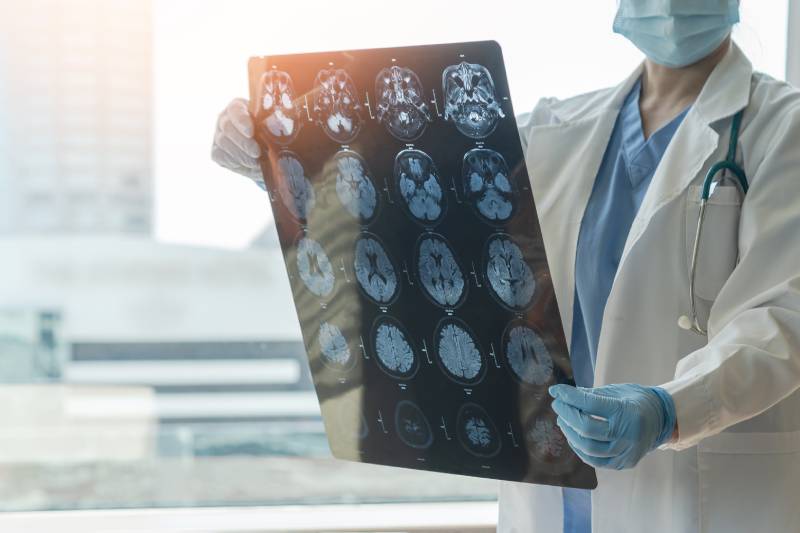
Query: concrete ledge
{"x": 467, "y": 517}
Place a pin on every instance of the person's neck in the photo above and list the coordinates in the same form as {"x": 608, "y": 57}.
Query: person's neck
{"x": 678, "y": 87}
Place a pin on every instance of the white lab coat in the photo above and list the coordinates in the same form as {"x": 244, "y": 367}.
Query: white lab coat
{"x": 736, "y": 466}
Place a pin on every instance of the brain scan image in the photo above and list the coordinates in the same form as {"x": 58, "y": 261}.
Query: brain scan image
{"x": 400, "y": 103}
{"x": 476, "y": 431}
{"x": 392, "y": 344}
{"x": 314, "y": 267}
{"x": 439, "y": 272}
{"x": 545, "y": 441}
{"x": 294, "y": 188}
{"x": 510, "y": 278}
{"x": 354, "y": 185}
{"x": 459, "y": 352}
{"x": 333, "y": 347}
{"x": 374, "y": 270}
{"x": 470, "y": 99}
{"x": 419, "y": 186}
{"x": 336, "y": 105}
{"x": 487, "y": 185}
{"x": 279, "y": 119}
{"x": 412, "y": 426}
{"x": 528, "y": 355}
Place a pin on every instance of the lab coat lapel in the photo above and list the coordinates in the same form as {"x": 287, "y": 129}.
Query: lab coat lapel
{"x": 726, "y": 92}
{"x": 563, "y": 160}
{"x": 688, "y": 155}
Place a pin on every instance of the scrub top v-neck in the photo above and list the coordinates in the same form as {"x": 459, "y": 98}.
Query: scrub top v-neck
{"x": 628, "y": 166}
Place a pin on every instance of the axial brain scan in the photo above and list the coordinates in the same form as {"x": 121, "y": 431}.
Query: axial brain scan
{"x": 458, "y": 351}
{"x": 412, "y": 426}
{"x": 354, "y": 185}
{"x": 374, "y": 270}
{"x": 314, "y": 267}
{"x": 487, "y": 184}
{"x": 395, "y": 353}
{"x": 545, "y": 441}
{"x": 510, "y": 277}
{"x": 439, "y": 271}
{"x": 333, "y": 347}
{"x": 528, "y": 356}
{"x": 336, "y": 105}
{"x": 401, "y": 104}
{"x": 419, "y": 185}
{"x": 294, "y": 188}
{"x": 279, "y": 119}
{"x": 476, "y": 431}
{"x": 470, "y": 99}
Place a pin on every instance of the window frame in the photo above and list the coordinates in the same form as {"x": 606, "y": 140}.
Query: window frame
{"x": 793, "y": 44}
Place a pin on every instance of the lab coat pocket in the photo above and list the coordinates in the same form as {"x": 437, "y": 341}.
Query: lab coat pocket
{"x": 748, "y": 482}
{"x": 719, "y": 250}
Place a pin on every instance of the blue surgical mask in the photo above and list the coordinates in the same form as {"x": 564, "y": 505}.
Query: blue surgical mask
{"x": 676, "y": 33}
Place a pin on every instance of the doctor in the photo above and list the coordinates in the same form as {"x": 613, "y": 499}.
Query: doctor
{"x": 700, "y": 431}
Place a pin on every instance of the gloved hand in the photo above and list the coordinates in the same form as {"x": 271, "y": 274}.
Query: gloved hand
{"x": 234, "y": 146}
{"x": 616, "y": 425}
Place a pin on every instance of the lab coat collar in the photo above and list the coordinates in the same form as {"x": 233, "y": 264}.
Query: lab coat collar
{"x": 727, "y": 89}
{"x": 622, "y": 90}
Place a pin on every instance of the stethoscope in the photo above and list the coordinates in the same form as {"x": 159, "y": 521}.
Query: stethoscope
{"x": 709, "y": 184}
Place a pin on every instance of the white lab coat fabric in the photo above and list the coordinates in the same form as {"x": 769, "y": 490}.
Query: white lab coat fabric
{"x": 736, "y": 466}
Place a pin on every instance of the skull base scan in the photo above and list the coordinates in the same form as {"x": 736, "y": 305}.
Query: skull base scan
{"x": 400, "y": 103}
{"x": 487, "y": 184}
{"x": 278, "y": 118}
{"x": 354, "y": 185}
{"x": 419, "y": 186}
{"x": 337, "y": 105}
{"x": 470, "y": 99}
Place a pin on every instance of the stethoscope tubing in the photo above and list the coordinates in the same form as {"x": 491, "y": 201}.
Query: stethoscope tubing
{"x": 729, "y": 164}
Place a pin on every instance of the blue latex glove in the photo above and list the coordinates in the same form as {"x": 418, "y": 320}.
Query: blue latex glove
{"x": 616, "y": 425}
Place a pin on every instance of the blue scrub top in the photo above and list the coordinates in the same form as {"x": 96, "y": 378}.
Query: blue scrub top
{"x": 628, "y": 167}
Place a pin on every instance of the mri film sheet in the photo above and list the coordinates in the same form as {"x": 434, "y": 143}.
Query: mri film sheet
{"x": 406, "y": 219}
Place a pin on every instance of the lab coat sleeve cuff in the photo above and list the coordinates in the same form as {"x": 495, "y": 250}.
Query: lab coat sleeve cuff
{"x": 694, "y": 409}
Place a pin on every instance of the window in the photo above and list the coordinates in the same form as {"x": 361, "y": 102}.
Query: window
{"x": 154, "y": 360}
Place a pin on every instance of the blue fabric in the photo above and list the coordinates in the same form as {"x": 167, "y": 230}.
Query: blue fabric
{"x": 625, "y": 173}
